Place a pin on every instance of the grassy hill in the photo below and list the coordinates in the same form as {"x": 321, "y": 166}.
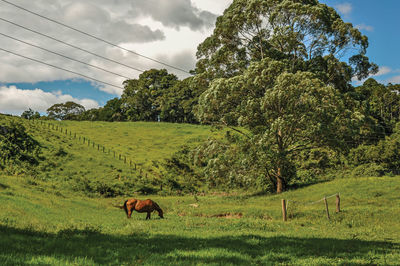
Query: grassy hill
{"x": 38, "y": 226}
{"x": 108, "y": 159}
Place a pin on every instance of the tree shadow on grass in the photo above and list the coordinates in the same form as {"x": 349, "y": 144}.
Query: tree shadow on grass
{"x": 18, "y": 246}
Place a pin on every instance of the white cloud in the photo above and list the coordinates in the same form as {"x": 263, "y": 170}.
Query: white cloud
{"x": 394, "y": 80}
{"x": 365, "y": 27}
{"x": 161, "y": 35}
{"x": 344, "y": 8}
{"x": 14, "y": 100}
{"x": 383, "y": 70}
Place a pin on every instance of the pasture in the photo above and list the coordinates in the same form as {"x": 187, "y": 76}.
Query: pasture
{"x": 38, "y": 226}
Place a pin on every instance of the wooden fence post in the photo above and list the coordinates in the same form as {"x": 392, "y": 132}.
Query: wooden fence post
{"x": 327, "y": 210}
{"x": 284, "y": 214}
{"x": 337, "y": 203}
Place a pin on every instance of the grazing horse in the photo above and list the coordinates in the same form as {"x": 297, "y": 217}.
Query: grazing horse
{"x": 148, "y": 206}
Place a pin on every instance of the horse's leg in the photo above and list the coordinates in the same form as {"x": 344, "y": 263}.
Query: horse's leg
{"x": 148, "y": 215}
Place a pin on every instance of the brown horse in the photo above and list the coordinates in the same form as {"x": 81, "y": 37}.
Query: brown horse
{"x": 148, "y": 206}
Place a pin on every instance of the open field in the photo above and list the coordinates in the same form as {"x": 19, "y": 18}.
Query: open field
{"x": 143, "y": 142}
{"x": 41, "y": 227}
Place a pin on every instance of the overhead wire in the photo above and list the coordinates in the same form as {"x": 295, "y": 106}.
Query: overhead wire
{"x": 65, "y": 56}
{"x": 67, "y": 70}
{"x": 71, "y": 45}
{"x": 95, "y": 37}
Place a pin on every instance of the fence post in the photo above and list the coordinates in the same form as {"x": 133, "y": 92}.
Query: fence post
{"x": 337, "y": 202}
{"x": 284, "y": 214}
{"x": 327, "y": 210}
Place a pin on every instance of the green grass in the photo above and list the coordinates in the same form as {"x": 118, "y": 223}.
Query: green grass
{"x": 142, "y": 142}
{"x": 41, "y": 227}
{"x": 69, "y": 162}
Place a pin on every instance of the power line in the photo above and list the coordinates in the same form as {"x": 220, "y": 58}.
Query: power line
{"x": 70, "y": 58}
{"x": 70, "y": 71}
{"x": 71, "y": 45}
{"x": 95, "y": 37}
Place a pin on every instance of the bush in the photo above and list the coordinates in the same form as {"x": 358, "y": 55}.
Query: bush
{"x": 18, "y": 150}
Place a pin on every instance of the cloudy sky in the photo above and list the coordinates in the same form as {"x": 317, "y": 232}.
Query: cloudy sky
{"x": 165, "y": 30}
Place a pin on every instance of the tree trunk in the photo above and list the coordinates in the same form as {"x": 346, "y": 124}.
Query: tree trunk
{"x": 280, "y": 185}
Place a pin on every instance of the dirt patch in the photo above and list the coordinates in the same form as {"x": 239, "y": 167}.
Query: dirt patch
{"x": 222, "y": 215}
{"x": 229, "y": 215}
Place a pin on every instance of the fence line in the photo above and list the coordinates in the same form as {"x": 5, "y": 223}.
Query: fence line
{"x": 132, "y": 165}
{"x": 285, "y": 204}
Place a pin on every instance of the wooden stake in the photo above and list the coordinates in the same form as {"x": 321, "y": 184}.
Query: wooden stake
{"x": 327, "y": 210}
{"x": 337, "y": 203}
{"x": 284, "y": 214}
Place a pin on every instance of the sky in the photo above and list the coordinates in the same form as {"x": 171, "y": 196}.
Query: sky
{"x": 166, "y": 30}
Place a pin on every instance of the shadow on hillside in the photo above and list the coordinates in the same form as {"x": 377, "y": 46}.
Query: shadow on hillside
{"x": 18, "y": 246}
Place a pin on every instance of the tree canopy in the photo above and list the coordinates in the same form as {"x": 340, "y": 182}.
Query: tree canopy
{"x": 65, "y": 111}
{"x": 309, "y": 35}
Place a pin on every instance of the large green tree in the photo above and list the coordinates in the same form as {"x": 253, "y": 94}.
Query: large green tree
{"x": 274, "y": 69}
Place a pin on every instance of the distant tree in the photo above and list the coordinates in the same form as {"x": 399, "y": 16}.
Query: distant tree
{"x": 179, "y": 102}
{"x": 30, "y": 114}
{"x": 65, "y": 111}
{"x": 142, "y": 98}
{"x": 112, "y": 111}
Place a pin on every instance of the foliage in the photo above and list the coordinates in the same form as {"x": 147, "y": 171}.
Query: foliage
{"x": 274, "y": 70}
{"x": 383, "y": 156}
{"x": 18, "y": 149}
{"x": 65, "y": 111}
{"x": 111, "y": 112}
{"x": 30, "y": 114}
{"x": 283, "y": 114}
{"x": 308, "y": 34}
{"x": 178, "y": 103}
{"x": 142, "y": 97}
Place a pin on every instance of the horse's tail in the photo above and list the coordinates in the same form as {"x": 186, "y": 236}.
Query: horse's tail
{"x": 122, "y": 207}
{"x": 157, "y": 208}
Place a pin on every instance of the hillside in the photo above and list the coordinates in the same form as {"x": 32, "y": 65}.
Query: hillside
{"x": 106, "y": 159}
{"x": 41, "y": 227}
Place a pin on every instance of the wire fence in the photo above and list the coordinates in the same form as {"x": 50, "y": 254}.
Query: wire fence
{"x": 134, "y": 166}
{"x": 285, "y": 204}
